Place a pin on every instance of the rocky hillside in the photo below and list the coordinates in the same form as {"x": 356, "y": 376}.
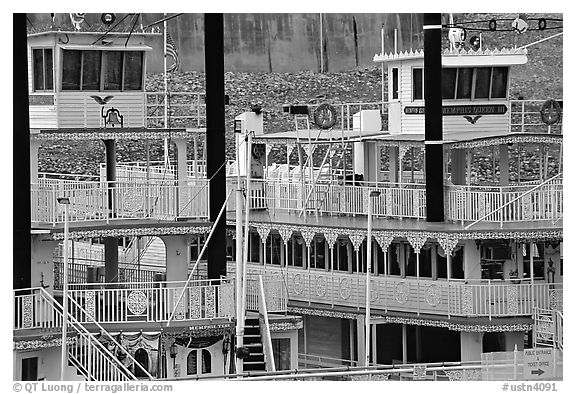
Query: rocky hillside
{"x": 540, "y": 78}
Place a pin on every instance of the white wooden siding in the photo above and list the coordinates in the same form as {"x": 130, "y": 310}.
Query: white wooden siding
{"x": 43, "y": 117}
{"x": 78, "y": 109}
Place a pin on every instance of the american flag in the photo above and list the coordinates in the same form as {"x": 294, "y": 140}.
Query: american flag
{"x": 172, "y": 52}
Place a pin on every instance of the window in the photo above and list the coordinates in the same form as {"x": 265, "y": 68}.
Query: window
{"x": 448, "y": 82}
{"x": 499, "y": 82}
{"x": 102, "y": 70}
{"x": 42, "y": 70}
{"x": 317, "y": 259}
{"x": 273, "y": 249}
{"x": 192, "y": 362}
{"x": 417, "y": 84}
{"x": 281, "y": 351}
{"x": 394, "y": 84}
{"x": 479, "y": 83}
{"x": 464, "y": 90}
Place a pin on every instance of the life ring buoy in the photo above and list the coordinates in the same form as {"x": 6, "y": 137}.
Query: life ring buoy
{"x": 551, "y": 112}
{"x": 492, "y": 25}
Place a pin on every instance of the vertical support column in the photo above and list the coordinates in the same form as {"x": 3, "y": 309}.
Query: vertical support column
{"x": 21, "y": 148}
{"x": 42, "y": 263}
{"x": 34, "y": 145}
{"x": 110, "y": 259}
{"x": 215, "y": 138}
{"x": 458, "y": 173}
{"x": 176, "y": 257}
{"x": 404, "y": 344}
{"x": 433, "y": 118}
{"x": 434, "y": 259}
{"x": 504, "y": 165}
{"x": 393, "y": 153}
{"x": 471, "y": 346}
{"x": 360, "y": 338}
{"x": 111, "y": 243}
{"x": 183, "y": 206}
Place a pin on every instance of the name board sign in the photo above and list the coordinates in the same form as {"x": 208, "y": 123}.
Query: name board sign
{"x": 459, "y": 110}
{"x": 40, "y": 100}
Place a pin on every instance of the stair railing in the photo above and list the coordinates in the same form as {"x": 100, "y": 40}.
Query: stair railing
{"x": 514, "y": 200}
{"x": 558, "y": 319}
{"x": 90, "y": 356}
{"x": 265, "y": 329}
{"x": 121, "y": 348}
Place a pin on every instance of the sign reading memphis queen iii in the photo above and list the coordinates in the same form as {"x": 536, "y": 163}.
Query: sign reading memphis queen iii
{"x": 451, "y": 110}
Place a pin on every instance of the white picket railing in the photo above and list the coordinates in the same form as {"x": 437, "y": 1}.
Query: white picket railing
{"x": 153, "y": 301}
{"x": 112, "y": 201}
{"x": 424, "y": 295}
{"x": 35, "y": 308}
{"x": 463, "y": 203}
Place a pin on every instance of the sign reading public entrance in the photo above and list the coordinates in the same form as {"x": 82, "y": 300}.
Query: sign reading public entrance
{"x": 538, "y": 364}
{"x": 455, "y": 110}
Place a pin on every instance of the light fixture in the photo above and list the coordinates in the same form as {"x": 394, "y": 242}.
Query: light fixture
{"x": 63, "y": 200}
{"x": 173, "y": 350}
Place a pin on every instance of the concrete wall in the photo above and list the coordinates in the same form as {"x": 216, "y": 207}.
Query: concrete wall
{"x": 272, "y": 42}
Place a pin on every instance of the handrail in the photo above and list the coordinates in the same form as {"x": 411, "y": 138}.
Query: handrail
{"x": 266, "y": 338}
{"x": 79, "y": 327}
{"x": 513, "y": 200}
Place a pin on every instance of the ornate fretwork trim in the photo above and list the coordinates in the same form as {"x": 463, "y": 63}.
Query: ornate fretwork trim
{"x": 447, "y": 240}
{"x": 107, "y": 134}
{"x": 418, "y": 321}
{"x": 133, "y": 231}
{"x": 286, "y": 325}
{"x": 511, "y": 139}
{"x": 43, "y": 343}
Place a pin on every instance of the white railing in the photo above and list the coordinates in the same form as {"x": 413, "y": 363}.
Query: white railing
{"x": 424, "y": 295}
{"x": 34, "y": 311}
{"x": 185, "y": 109}
{"x": 525, "y": 118}
{"x": 275, "y": 290}
{"x": 152, "y": 301}
{"x": 88, "y": 355}
{"x": 508, "y": 204}
{"x": 111, "y": 201}
{"x": 318, "y": 361}
{"x": 154, "y": 171}
{"x": 408, "y": 200}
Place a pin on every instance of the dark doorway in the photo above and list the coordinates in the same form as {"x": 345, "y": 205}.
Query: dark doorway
{"x": 30, "y": 369}
{"x": 141, "y": 356}
{"x": 493, "y": 342}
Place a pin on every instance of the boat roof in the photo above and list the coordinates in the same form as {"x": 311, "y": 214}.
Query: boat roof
{"x": 462, "y": 57}
{"x": 94, "y": 33}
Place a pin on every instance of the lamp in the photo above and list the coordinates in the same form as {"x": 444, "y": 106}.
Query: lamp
{"x": 173, "y": 350}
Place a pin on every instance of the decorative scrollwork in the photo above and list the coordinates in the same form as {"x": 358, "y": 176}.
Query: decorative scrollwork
{"x": 433, "y": 295}
{"x": 321, "y": 286}
{"x": 263, "y": 231}
{"x": 91, "y": 303}
{"x": 401, "y": 292}
{"x": 344, "y": 288}
{"x": 467, "y": 307}
{"x": 331, "y": 236}
{"x": 27, "y": 311}
{"x": 356, "y": 238}
{"x": 298, "y": 284}
{"x": 556, "y": 299}
{"x": 512, "y": 299}
{"x": 137, "y": 302}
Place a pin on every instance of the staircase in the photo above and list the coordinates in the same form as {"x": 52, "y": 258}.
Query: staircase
{"x": 548, "y": 328}
{"x": 90, "y": 357}
{"x": 253, "y": 341}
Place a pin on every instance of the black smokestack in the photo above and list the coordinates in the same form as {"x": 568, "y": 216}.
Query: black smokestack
{"x": 433, "y": 117}
{"x": 215, "y": 138}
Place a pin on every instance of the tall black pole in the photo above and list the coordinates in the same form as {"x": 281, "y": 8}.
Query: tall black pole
{"x": 215, "y": 138}
{"x": 21, "y": 277}
{"x": 433, "y": 117}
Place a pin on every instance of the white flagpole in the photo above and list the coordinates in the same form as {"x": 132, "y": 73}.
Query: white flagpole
{"x": 166, "y": 159}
